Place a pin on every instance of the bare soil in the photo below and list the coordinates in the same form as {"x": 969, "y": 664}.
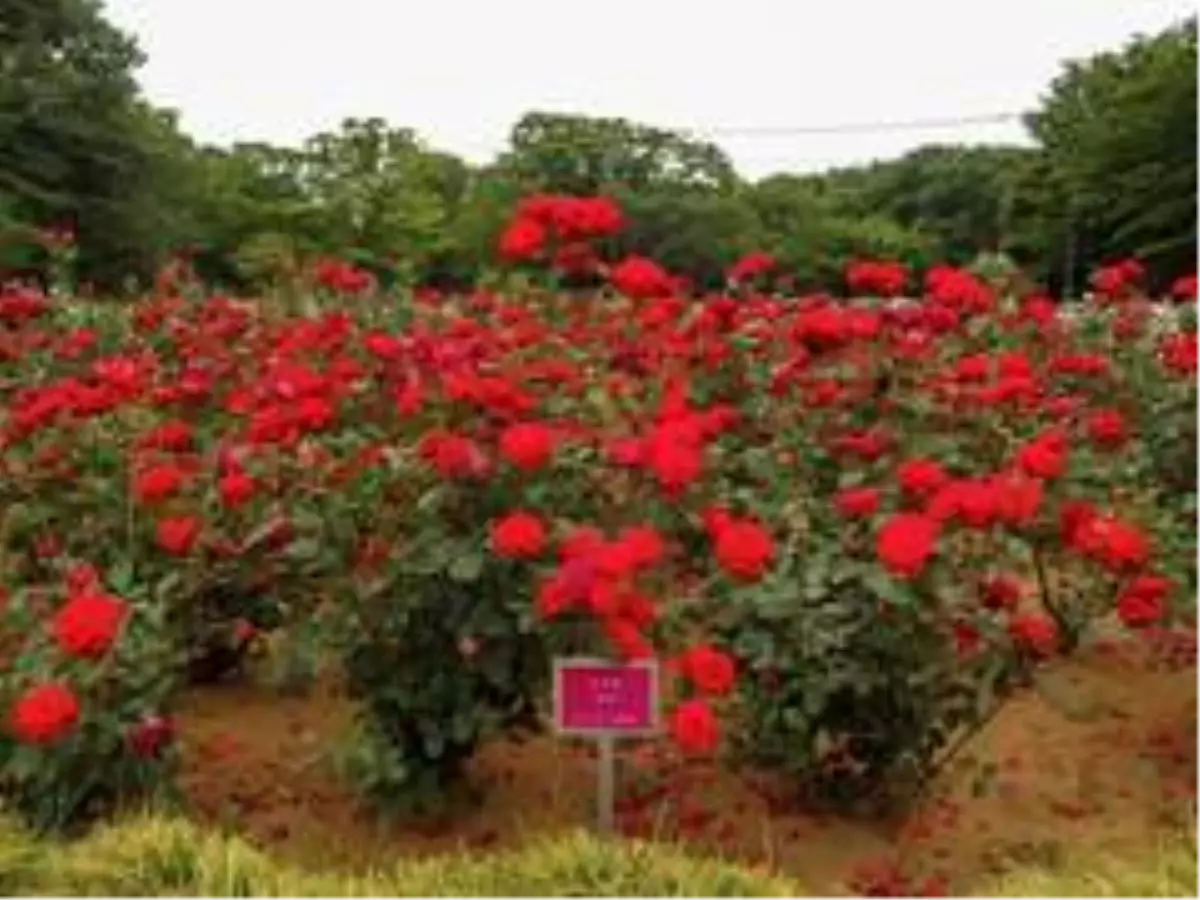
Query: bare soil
{"x": 1102, "y": 760}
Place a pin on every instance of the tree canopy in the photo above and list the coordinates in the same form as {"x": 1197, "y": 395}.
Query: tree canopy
{"x": 1112, "y": 173}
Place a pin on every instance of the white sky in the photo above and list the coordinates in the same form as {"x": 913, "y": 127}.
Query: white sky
{"x": 461, "y": 72}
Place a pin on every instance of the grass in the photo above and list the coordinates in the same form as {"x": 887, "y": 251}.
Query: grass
{"x": 148, "y": 857}
{"x": 1168, "y": 870}
{"x": 156, "y": 857}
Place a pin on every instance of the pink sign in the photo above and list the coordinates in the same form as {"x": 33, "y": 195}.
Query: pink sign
{"x": 597, "y": 697}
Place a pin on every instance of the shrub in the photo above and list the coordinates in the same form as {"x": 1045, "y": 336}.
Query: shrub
{"x": 88, "y": 681}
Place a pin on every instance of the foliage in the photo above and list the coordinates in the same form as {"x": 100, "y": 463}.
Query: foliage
{"x": 1119, "y": 139}
{"x": 446, "y": 492}
{"x": 1113, "y": 175}
{"x": 121, "y": 744}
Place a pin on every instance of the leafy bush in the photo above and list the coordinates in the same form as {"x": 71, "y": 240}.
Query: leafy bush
{"x": 849, "y": 527}
{"x": 90, "y": 698}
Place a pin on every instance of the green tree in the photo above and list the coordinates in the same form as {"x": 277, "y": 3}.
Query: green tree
{"x": 78, "y": 146}
{"x": 587, "y": 155}
{"x": 1118, "y": 133}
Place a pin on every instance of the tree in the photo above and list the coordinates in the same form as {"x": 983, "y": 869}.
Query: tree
{"x": 1118, "y": 132}
{"x": 586, "y": 155}
{"x": 78, "y": 147}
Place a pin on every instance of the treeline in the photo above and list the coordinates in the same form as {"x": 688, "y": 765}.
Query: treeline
{"x": 1112, "y": 175}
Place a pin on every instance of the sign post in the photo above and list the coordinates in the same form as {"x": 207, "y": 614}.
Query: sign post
{"x": 605, "y": 701}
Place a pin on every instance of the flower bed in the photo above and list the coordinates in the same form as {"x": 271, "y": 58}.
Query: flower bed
{"x": 852, "y": 530}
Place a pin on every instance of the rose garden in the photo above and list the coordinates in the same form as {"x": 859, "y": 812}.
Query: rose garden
{"x": 860, "y": 534}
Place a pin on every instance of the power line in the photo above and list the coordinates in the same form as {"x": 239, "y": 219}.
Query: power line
{"x": 859, "y": 127}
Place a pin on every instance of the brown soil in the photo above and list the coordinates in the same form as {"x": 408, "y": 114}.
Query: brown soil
{"x": 1103, "y": 759}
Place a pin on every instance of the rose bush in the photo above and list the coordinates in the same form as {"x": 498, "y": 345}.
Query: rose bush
{"x": 88, "y": 682}
{"x": 851, "y": 527}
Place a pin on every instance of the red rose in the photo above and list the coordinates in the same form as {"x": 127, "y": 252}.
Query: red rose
{"x": 1003, "y": 592}
{"x": 641, "y": 279}
{"x": 1045, "y": 456}
{"x": 148, "y": 737}
{"x": 745, "y": 550}
{"x": 1017, "y": 498}
{"x": 581, "y": 542}
{"x": 921, "y": 476}
{"x": 45, "y": 714}
{"x": 523, "y": 239}
{"x": 643, "y": 544}
{"x": 157, "y": 484}
{"x": 710, "y": 670}
{"x": 527, "y": 446}
{"x": 88, "y": 624}
{"x": 1035, "y": 633}
{"x": 178, "y": 535}
{"x": 628, "y": 641}
{"x": 519, "y": 535}
{"x": 695, "y": 728}
{"x": 1107, "y": 428}
{"x": 1144, "y": 601}
{"x": 857, "y": 502}
{"x": 906, "y": 542}
{"x": 236, "y": 488}
{"x": 1114, "y": 543}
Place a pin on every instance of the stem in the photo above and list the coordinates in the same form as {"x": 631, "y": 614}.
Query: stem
{"x": 1069, "y": 633}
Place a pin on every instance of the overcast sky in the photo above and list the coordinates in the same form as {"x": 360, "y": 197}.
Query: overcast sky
{"x": 461, "y": 72}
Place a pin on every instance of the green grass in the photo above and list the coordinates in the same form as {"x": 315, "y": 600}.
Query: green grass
{"x": 155, "y": 857}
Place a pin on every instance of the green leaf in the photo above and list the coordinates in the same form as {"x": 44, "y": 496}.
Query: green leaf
{"x": 467, "y": 567}
{"x": 121, "y": 577}
{"x": 304, "y": 550}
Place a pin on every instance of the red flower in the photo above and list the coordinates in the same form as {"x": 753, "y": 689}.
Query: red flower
{"x": 710, "y": 670}
{"x": 745, "y": 550}
{"x": 519, "y": 535}
{"x": 1035, "y": 633}
{"x": 1107, "y": 428}
{"x": 921, "y": 476}
{"x": 82, "y": 578}
{"x": 583, "y": 541}
{"x": 452, "y": 455}
{"x": 1016, "y": 498}
{"x": 906, "y": 542}
{"x": 751, "y": 266}
{"x": 148, "y": 737}
{"x": 882, "y": 279}
{"x": 641, "y": 279}
{"x": 1116, "y": 544}
{"x": 628, "y": 641}
{"x": 88, "y": 624}
{"x": 178, "y": 535}
{"x": 1045, "y": 456}
{"x": 695, "y": 728}
{"x": 527, "y": 446}
{"x": 675, "y": 463}
{"x": 1144, "y": 601}
{"x": 1183, "y": 288}
{"x": 857, "y": 502}
{"x": 158, "y": 483}
{"x": 45, "y": 714}
{"x": 236, "y": 489}
{"x": 643, "y": 544}
{"x": 1002, "y": 592}
{"x": 522, "y": 240}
